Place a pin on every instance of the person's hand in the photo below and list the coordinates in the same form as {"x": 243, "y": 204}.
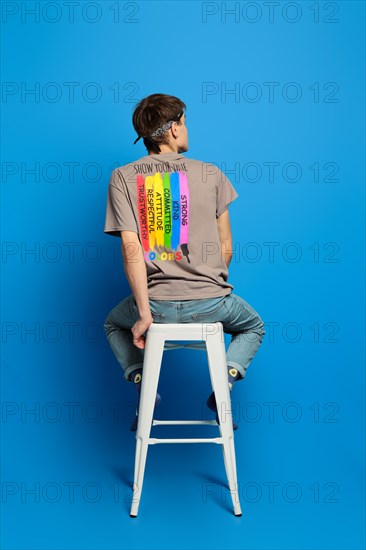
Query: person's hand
{"x": 138, "y": 329}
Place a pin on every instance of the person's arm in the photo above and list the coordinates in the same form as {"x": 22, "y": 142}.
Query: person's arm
{"x": 224, "y": 228}
{"x": 135, "y": 269}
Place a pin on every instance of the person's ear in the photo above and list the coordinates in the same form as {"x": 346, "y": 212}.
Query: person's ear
{"x": 174, "y": 129}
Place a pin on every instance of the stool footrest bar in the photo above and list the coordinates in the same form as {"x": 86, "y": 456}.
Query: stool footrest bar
{"x": 185, "y": 422}
{"x": 154, "y": 440}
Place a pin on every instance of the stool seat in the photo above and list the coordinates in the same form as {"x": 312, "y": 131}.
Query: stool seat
{"x": 160, "y": 337}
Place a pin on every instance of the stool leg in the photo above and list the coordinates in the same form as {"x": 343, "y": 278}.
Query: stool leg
{"x": 154, "y": 348}
{"x": 237, "y": 509}
{"x": 217, "y": 364}
{"x": 224, "y": 457}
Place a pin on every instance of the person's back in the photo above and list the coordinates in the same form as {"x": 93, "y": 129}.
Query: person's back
{"x": 171, "y": 213}
{"x": 172, "y": 203}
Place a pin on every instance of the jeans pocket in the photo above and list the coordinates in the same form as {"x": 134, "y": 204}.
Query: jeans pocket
{"x": 211, "y": 310}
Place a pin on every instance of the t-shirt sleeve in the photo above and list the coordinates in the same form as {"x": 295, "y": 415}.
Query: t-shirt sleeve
{"x": 119, "y": 213}
{"x": 225, "y": 193}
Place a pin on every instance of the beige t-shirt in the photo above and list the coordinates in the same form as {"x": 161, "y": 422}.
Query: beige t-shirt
{"x": 172, "y": 202}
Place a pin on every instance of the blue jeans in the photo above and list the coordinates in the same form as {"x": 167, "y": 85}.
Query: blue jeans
{"x": 237, "y": 317}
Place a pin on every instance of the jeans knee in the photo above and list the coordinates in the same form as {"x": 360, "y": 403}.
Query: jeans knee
{"x": 107, "y": 325}
{"x": 260, "y": 329}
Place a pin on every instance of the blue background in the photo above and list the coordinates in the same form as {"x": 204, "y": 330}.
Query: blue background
{"x": 310, "y": 292}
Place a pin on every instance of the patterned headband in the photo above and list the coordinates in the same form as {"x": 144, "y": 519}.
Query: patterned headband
{"x": 162, "y": 129}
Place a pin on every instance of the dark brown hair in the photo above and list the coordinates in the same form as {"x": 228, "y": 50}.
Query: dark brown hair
{"x": 151, "y": 113}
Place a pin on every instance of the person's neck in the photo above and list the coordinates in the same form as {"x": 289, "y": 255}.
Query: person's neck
{"x": 164, "y": 149}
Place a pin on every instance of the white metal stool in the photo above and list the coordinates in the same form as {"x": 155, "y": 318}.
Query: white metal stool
{"x": 212, "y": 336}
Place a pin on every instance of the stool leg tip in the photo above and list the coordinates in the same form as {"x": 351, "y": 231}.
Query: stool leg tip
{"x": 238, "y": 515}
{"x": 133, "y": 515}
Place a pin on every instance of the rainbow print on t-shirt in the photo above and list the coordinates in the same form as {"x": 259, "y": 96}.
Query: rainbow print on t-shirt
{"x": 163, "y": 211}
